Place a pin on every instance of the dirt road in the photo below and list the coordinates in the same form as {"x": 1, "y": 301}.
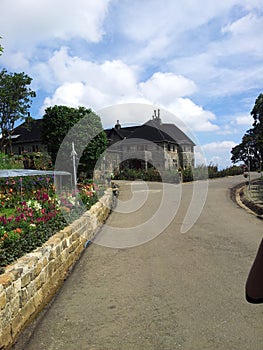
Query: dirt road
{"x": 177, "y": 291}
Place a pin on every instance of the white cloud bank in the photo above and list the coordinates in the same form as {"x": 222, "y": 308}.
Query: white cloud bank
{"x": 95, "y": 85}
{"x": 38, "y": 21}
{"x": 216, "y": 153}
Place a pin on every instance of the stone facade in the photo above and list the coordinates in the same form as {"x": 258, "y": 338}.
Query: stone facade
{"x": 32, "y": 281}
{"x": 154, "y": 143}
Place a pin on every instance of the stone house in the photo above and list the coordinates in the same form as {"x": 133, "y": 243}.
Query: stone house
{"x": 158, "y": 144}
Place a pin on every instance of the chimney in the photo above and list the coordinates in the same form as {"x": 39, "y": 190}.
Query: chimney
{"x": 156, "y": 117}
{"x": 118, "y": 125}
{"x": 28, "y": 118}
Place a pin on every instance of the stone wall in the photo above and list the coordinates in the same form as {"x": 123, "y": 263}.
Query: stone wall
{"x": 32, "y": 281}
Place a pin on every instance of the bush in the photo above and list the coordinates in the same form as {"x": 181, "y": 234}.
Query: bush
{"x": 188, "y": 174}
{"x": 10, "y": 162}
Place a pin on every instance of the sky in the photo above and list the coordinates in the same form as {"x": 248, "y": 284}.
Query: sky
{"x": 200, "y": 60}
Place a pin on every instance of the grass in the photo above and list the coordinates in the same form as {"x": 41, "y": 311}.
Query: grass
{"x": 255, "y": 193}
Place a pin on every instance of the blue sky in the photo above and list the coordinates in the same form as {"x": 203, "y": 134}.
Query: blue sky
{"x": 198, "y": 59}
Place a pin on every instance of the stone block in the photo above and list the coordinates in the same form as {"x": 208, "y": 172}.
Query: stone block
{"x": 2, "y": 300}
{"x": 60, "y": 235}
{"x": 17, "y": 286}
{"x": 28, "y": 309}
{"x": 9, "y": 293}
{"x": 39, "y": 267}
{"x": 39, "y": 281}
{"x": 31, "y": 289}
{"x": 26, "y": 279}
{"x": 38, "y": 299}
{"x": 69, "y": 241}
{"x": 64, "y": 255}
{"x": 64, "y": 244}
{"x": 75, "y": 236}
{"x": 15, "y": 305}
{"x": 67, "y": 231}
{"x": 5, "y": 337}
{"x": 17, "y": 325}
{"x": 23, "y": 297}
{"x": 51, "y": 268}
{"x": 16, "y": 272}
{"x": 6, "y": 315}
{"x": 6, "y": 279}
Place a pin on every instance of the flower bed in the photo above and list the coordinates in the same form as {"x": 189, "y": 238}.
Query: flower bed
{"x": 31, "y": 281}
{"x": 37, "y": 213}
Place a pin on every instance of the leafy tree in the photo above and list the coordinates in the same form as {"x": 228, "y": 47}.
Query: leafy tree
{"x": 257, "y": 111}
{"x": 251, "y": 147}
{"x": 15, "y": 100}
{"x": 63, "y": 125}
{"x": 1, "y": 48}
{"x": 257, "y": 114}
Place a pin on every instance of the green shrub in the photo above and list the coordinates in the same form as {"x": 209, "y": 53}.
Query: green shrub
{"x": 10, "y": 162}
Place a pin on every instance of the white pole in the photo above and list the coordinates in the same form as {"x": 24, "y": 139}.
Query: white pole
{"x": 249, "y": 168}
{"x": 74, "y": 154}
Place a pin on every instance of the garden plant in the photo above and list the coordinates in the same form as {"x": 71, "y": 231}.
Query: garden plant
{"x": 31, "y": 211}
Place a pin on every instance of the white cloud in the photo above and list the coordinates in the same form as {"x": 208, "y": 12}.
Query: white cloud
{"x": 69, "y": 94}
{"x": 166, "y": 87}
{"x": 244, "y": 120}
{"x": 38, "y": 21}
{"x": 230, "y": 59}
{"x": 193, "y": 115}
{"x": 217, "y": 153}
{"x": 81, "y": 82}
{"x": 220, "y": 146}
{"x": 151, "y": 20}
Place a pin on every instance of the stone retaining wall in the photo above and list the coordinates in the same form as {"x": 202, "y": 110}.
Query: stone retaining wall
{"x": 31, "y": 282}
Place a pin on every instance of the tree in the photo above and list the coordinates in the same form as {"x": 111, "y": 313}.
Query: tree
{"x": 15, "y": 100}
{"x": 251, "y": 147}
{"x": 63, "y": 125}
{"x": 257, "y": 114}
{"x": 1, "y": 48}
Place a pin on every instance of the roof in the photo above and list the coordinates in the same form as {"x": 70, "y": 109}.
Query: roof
{"x": 176, "y": 134}
{"x": 122, "y": 132}
{"x": 153, "y": 131}
{"x": 29, "y": 131}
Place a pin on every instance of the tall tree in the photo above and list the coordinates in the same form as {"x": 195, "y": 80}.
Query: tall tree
{"x": 63, "y": 125}
{"x": 1, "y": 48}
{"x": 251, "y": 147}
{"x": 15, "y": 100}
{"x": 257, "y": 114}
